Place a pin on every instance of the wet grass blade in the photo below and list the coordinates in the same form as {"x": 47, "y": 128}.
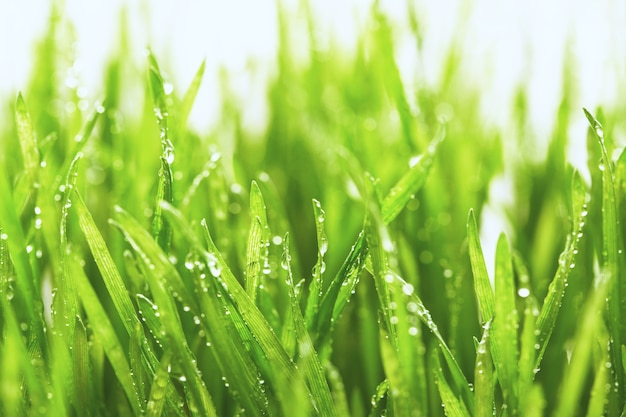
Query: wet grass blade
{"x": 482, "y": 284}
{"x": 410, "y": 183}
{"x": 110, "y": 274}
{"x": 611, "y": 257}
{"x": 13, "y": 234}
{"x": 282, "y": 366}
{"x": 484, "y": 380}
{"x": 552, "y": 303}
{"x": 162, "y": 276}
{"x": 452, "y": 404}
{"x": 158, "y": 389}
{"x": 586, "y": 336}
{"x": 161, "y": 230}
{"x": 307, "y": 355}
{"x": 84, "y": 398}
{"x": 505, "y": 324}
{"x": 103, "y": 329}
{"x": 315, "y": 288}
{"x": 256, "y": 252}
{"x": 28, "y": 144}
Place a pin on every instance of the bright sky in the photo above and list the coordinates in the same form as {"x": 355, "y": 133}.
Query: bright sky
{"x": 506, "y": 41}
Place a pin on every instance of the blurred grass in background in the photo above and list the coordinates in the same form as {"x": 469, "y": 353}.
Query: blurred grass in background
{"x": 219, "y": 288}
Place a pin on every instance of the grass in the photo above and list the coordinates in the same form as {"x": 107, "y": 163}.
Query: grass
{"x": 330, "y": 265}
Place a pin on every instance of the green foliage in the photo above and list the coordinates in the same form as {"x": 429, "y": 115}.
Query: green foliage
{"x": 147, "y": 269}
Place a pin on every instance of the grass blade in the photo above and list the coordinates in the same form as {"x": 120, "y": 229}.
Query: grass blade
{"x": 161, "y": 230}
{"x": 315, "y": 288}
{"x": 484, "y": 381}
{"x": 259, "y": 234}
{"x": 103, "y": 329}
{"x": 162, "y": 276}
{"x": 552, "y": 302}
{"x": 586, "y": 336}
{"x": 110, "y": 274}
{"x": 505, "y": 324}
{"x": 28, "y": 143}
{"x": 282, "y": 366}
{"x": 306, "y": 351}
{"x": 611, "y": 258}
{"x": 482, "y": 284}
{"x": 156, "y": 399}
{"x": 190, "y": 95}
{"x": 452, "y": 405}
{"x": 411, "y": 182}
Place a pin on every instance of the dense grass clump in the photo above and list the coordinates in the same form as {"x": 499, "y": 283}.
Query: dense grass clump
{"x": 330, "y": 265}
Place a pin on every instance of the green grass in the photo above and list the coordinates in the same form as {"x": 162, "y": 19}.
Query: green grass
{"x": 330, "y": 265}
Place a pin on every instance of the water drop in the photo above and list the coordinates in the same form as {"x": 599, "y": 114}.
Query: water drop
{"x": 412, "y": 307}
{"x": 523, "y": 292}
{"x": 408, "y": 289}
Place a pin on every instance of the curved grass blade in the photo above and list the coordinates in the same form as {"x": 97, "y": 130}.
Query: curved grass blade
{"x": 339, "y": 292}
{"x": 103, "y": 329}
{"x": 482, "y": 284}
{"x": 552, "y": 303}
{"x": 162, "y": 276}
{"x": 110, "y": 274}
{"x": 411, "y": 182}
{"x": 381, "y": 393}
{"x": 284, "y": 372}
{"x": 611, "y": 258}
